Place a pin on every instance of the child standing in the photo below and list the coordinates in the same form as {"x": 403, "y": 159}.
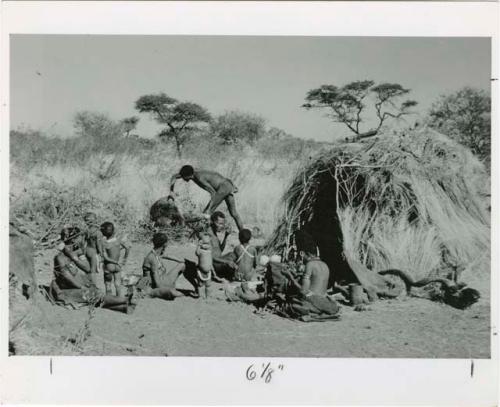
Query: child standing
{"x": 205, "y": 265}
{"x": 93, "y": 240}
{"x": 246, "y": 256}
{"x": 112, "y": 247}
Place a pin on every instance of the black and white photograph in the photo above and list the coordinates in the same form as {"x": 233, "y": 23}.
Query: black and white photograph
{"x": 250, "y": 196}
{"x": 249, "y": 199}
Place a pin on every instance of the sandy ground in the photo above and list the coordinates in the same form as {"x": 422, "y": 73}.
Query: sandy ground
{"x": 406, "y": 327}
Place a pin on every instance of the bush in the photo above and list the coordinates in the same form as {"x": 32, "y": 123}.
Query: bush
{"x": 465, "y": 116}
{"x": 233, "y": 127}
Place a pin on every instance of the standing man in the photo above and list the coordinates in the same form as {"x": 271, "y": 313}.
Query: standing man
{"x": 219, "y": 188}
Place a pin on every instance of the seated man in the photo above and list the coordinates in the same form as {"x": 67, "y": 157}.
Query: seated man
{"x": 224, "y": 265}
{"x": 246, "y": 257}
{"x": 72, "y": 284}
{"x": 158, "y": 281}
{"x": 312, "y": 299}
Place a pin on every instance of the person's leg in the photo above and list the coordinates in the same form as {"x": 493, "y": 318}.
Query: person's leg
{"x": 117, "y": 277}
{"x": 91, "y": 255}
{"x": 231, "y": 206}
{"x": 165, "y": 293}
{"x": 112, "y": 300}
{"x": 223, "y": 270}
{"x": 206, "y": 288}
{"x": 215, "y": 200}
{"x": 171, "y": 278}
{"x": 190, "y": 274}
{"x": 108, "y": 280}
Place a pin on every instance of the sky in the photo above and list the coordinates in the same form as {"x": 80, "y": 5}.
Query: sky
{"x": 54, "y": 76}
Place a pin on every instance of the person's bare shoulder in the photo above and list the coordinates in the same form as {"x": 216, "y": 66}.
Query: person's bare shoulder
{"x": 147, "y": 258}
{"x": 208, "y": 175}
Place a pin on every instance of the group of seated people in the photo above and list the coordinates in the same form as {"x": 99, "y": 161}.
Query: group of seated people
{"x": 94, "y": 249}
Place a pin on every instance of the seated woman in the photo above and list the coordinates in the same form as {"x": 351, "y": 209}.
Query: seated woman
{"x": 72, "y": 284}
{"x": 157, "y": 281}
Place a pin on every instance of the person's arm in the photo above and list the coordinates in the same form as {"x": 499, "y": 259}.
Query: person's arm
{"x": 172, "y": 258}
{"x": 126, "y": 247}
{"x": 71, "y": 256}
{"x": 292, "y": 279}
{"x": 104, "y": 254}
{"x": 254, "y": 253}
{"x": 174, "y": 178}
{"x": 60, "y": 265}
{"x": 227, "y": 262}
{"x": 306, "y": 279}
{"x": 154, "y": 273}
{"x": 108, "y": 259}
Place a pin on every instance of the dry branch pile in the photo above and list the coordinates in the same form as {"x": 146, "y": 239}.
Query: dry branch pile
{"x": 415, "y": 201}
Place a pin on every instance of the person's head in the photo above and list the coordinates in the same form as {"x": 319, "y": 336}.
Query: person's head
{"x": 244, "y": 236}
{"x": 256, "y": 232}
{"x": 90, "y": 218}
{"x": 71, "y": 236}
{"x": 186, "y": 172}
{"x": 305, "y": 244}
{"x": 218, "y": 220}
{"x": 205, "y": 238}
{"x": 107, "y": 229}
{"x": 160, "y": 241}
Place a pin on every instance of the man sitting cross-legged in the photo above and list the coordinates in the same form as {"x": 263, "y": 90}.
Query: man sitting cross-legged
{"x": 312, "y": 298}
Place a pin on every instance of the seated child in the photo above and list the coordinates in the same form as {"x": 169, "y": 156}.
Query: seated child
{"x": 246, "y": 256}
{"x": 112, "y": 247}
{"x": 205, "y": 265}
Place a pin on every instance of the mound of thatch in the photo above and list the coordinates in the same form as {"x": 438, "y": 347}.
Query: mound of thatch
{"x": 413, "y": 201}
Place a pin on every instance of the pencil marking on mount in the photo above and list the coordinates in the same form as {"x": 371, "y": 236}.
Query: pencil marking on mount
{"x": 266, "y": 372}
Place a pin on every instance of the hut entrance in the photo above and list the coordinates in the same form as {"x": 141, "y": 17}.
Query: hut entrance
{"x": 325, "y": 228}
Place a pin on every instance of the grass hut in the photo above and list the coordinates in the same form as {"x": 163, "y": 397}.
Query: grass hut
{"x": 415, "y": 201}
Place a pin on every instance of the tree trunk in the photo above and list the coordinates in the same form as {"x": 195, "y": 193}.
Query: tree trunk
{"x": 178, "y": 145}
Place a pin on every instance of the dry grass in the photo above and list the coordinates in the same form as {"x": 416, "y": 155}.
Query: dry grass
{"x": 123, "y": 188}
{"x": 414, "y": 201}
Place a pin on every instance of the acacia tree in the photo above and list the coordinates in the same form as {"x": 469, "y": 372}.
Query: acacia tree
{"x": 129, "y": 124}
{"x": 181, "y": 118}
{"x": 465, "y": 116}
{"x": 347, "y": 104}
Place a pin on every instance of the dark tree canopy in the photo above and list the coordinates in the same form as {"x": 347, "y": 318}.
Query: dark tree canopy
{"x": 347, "y": 103}
{"x": 181, "y": 118}
{"x": 465, "y": 116}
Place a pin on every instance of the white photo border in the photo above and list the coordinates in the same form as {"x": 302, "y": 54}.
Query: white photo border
{"x": 195, "y": 380}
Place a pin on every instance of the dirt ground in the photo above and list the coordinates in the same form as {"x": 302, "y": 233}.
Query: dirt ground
{"x": 406, "y": 327}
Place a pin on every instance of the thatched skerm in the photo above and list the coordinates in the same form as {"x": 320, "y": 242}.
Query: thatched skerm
{"x": 415, "y": 201}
